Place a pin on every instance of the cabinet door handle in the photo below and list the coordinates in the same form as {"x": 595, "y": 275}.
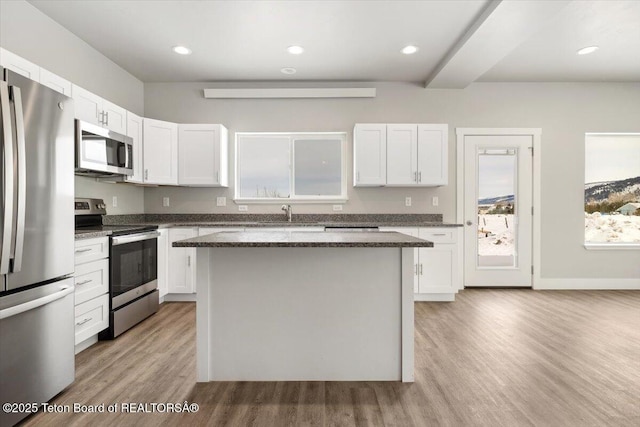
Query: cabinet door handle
{"x": 419, "y": 176}
{"x": 146, "y": 174}
{"x": 106, "y": 118}
{"x": 415, "y": 176}
{"x": 84, "y": 282}
{"x": 421, "y": 269}
{"x": 83, "y": 250}
{"x": 84, "y": 321}
{"x": 415, "y": 269}
{"x": 188, "y": 260}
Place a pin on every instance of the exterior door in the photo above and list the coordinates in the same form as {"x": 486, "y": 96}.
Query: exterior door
{"x": 498, "y": 203}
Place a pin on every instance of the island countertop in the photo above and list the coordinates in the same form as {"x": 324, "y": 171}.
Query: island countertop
{"x": 288, "y": 239}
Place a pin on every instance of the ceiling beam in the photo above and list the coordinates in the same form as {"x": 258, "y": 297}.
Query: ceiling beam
{"x": 499, "y": 29}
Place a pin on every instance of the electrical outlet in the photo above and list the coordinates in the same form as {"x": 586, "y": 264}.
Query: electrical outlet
{"x": 114, "y": 201}
{"x": 243, "y": 208}
{"x": 221, "y": 201}
{"x": 407, "y": 201}
{"x": 434, "y": 200}
{"x": 337, "y": 208}
{"x": 165, "y": 202}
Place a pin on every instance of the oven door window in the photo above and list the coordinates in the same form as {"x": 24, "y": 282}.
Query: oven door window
{"x": 132, "y": 265}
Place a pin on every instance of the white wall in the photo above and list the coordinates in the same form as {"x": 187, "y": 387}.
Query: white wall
{"x": 130, "y": 199}
{"x": 564, "y": 111}
{"x": 29, "y": 33}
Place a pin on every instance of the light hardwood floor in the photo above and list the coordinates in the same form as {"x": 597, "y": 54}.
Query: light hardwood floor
{"x": 492, "y": 358}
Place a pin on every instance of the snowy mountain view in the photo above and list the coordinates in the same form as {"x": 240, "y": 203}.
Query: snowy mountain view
{"x": 495, "y": 200}
{"x": 612, "y": 211}
{"x": 600, "y": 191}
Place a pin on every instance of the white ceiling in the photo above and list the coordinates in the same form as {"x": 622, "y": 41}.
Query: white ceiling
{"x": 460, "y": 41}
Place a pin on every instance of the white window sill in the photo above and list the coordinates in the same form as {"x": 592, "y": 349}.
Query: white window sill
{"x": 611, "y": 246}
{"x": 284, "y": 201}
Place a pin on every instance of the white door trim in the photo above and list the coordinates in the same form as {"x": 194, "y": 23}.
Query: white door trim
{"x": 536, "y": 134}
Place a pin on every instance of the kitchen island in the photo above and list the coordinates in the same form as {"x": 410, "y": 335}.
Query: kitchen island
{"x": 290, "y": 306}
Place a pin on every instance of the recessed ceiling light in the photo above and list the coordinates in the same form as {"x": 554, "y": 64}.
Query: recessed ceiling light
{"x": 588, "y": 50}
{"x": 295, "y": 50}
{"x": 408, "y": 50}
{"x": 288, "y": 70}
{"x": 181, "y": 50}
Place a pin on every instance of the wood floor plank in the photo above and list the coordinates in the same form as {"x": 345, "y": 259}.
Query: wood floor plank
{"x": 494, "y": 357}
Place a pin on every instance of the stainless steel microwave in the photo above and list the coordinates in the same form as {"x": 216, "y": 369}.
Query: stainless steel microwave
{"x": 101, "y": 152}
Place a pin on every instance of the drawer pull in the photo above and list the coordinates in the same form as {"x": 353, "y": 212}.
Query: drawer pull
{"x": 83, "y": 250}
{"x": 439, "y": 234}
{"x": 84, "y": 282}
{"x": 84, "y": 321}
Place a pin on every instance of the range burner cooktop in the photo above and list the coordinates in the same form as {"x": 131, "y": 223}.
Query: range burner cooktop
{"x": 89, "y": 214}
{"x": 116, "y": 230}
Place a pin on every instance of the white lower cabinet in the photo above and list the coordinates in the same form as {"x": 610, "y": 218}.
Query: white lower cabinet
{"x": 91, "y": 317}
{"x": 436, "y": 272}
{"x": 182, "y": 262}
{"x": 91, "y": 281}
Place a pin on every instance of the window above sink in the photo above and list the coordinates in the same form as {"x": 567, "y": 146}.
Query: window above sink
{"x": 290, "y": 167}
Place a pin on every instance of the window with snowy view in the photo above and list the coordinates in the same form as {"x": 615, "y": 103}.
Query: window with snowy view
{"x": 612, "y": 189}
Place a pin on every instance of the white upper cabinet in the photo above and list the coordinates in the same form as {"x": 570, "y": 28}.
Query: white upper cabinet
{"x": 55, "y": 82}
{"x": 369, "y": 155}
{"x": 88, "y": 105}
{"x": 134, "y": 130}
{"x": 115, "y": 117}
{"x": 417, "y": 155}
{"x": 94, "y": 109}
{"x": 402, "y": 154}
{"x": 433, "y": 154}
{"x": 19, "y": 65}
{"x": 202, "y": 155}
{"x": 160, "y": 148}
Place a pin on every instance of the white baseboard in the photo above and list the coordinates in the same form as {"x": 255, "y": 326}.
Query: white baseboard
{"x": 180, "y": 298}
{"x": 586, "y": 284}
{"x": 434, "y": 297}
{"x": 86, "y": 343}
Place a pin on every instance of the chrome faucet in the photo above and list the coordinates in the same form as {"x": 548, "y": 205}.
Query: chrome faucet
{"x": 288, "y": 211}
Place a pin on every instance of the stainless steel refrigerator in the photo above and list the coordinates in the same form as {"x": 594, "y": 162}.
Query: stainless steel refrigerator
{"x": 36, "y": 245}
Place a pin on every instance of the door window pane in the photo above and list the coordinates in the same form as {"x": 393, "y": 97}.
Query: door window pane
{"x": 497, "y": 178}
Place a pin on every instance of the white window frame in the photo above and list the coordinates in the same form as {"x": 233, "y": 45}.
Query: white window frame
{"x": 605, "y": 245}
{"x": 342, "y": 198}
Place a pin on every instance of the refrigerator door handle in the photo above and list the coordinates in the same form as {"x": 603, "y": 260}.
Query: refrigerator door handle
{"x": 7, "y": 180}
{"x": 30, "y": 305}
{"x": 22, "y": 179}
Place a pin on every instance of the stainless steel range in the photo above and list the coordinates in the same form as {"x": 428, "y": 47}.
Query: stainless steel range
{"x": 133, "y": 267}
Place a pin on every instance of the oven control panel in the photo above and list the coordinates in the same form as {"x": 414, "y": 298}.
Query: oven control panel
{"x": 90, "y": 207}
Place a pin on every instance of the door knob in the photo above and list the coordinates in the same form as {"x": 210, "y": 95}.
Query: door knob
{"x": 469, "y": 223}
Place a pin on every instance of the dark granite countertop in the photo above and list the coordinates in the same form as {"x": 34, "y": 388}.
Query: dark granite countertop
{"x": 276, "y": 220}
{"x": 90, "y": 234}
{"x": 297, "y": 239}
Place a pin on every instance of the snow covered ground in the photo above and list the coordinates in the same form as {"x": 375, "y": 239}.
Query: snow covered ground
{"x": 611, "y": 228}
{"x": 500, "y": 239}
